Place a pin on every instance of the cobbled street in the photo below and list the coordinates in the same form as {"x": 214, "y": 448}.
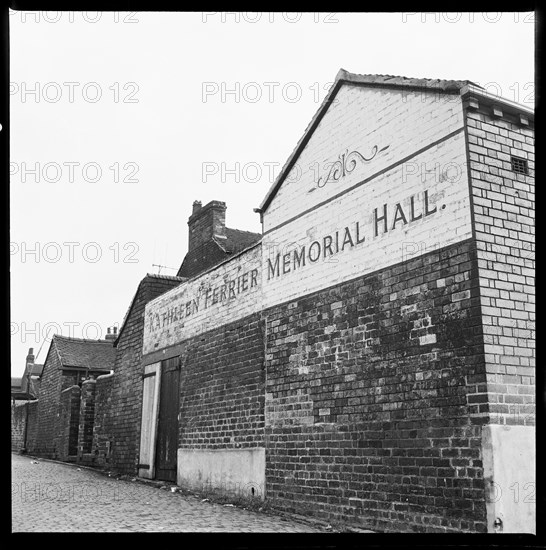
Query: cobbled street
{"x": 53, "y": 497}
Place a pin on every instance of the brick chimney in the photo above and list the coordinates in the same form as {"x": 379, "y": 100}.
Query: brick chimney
{"x": 111, "y": 334}
{"x": 206, "y": 222}
{"x": 30, "y": 357}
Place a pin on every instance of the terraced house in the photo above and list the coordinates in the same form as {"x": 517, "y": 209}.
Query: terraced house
{"x": 369, "y": 357}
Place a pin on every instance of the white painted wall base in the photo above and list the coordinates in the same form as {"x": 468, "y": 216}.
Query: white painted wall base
{"x": 509, "y": 467}
{"x": 238, "y": 472}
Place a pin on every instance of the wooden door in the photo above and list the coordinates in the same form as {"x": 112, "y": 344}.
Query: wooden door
{"x": 148, "y": 427}
{"x": 167, "y": 430}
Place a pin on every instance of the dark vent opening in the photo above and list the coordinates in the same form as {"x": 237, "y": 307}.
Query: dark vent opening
{"x": 519, "y": 165}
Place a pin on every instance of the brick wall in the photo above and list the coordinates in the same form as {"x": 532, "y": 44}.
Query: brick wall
{"x": 504, "y": 223}
{"x": 32, "y": 430}
{"x": 87, "y": 418}
{"x": 48, "y": 406}
{"x": 361, "y": 118}
{"x": 68, "y": 423}
{"x": 370, "y": 388}
{"x": 18, "y": 421}
{"x": 222, "y": 387}
{"x": 102, "y": 441}
{"x": 226, "y": 292}
{"x": 121, "y": 421}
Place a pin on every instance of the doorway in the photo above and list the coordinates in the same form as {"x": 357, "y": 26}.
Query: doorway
{"x": 159, "y": 423}
{"x": 167, "y": 429}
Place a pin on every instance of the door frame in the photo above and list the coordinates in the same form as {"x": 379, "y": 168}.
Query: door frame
{"x": 175, "y": 365}
{"x": 148, "y": 470}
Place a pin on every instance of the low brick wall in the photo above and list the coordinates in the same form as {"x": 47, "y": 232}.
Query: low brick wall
{"x": 18, "y": 421}
{"x": 86, "y": 421}
{"x": 68, "y": 426}
{"x": 20, "y": 417}
{"x": 102, "y": 438}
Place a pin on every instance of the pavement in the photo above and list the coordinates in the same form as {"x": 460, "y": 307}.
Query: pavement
{"x": 49, "y": 496}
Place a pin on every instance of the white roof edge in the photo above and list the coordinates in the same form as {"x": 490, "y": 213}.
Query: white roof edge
{"x": 342, "y": 74}
{"x": 469, "y": 88}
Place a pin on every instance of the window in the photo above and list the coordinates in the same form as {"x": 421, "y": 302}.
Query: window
{"x": 519, "y": 165}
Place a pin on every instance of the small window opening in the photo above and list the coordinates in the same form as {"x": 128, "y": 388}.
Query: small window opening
{"x": 519, "y": 165}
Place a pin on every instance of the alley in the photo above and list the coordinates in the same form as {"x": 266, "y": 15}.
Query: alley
{"x": 53, "y": 497}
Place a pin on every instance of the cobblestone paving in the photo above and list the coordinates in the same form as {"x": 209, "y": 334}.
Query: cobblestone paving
{"x": 48, "y": 496}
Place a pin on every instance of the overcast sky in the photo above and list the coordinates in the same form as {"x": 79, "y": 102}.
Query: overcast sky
{"x": 120, "y": 121}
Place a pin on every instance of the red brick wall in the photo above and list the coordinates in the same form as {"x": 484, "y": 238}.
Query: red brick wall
{"x": 18, "y": 419}
{"x": 120, "y": 415}
{"x": 68, "y": 423}
{"x": 222, "y": 387}
{"x": 102, "y": 442}
{"x": 87, "y": 417}
{"x": 370, "y": 388}
{"x": 48, "y": 406}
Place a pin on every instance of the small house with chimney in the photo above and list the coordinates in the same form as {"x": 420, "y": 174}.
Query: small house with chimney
{"x": 69, "y": 364}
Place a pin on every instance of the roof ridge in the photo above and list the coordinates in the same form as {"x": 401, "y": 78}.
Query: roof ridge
{"x": 345, "y": 77}
{"x": 86, "y": 340}
{"x": 244, "y": 231}
{"x": 168, "y": 277}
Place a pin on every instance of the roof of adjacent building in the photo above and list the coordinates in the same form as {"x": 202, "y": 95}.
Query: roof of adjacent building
{"x": 237, "y": 240}
{"x": 16, "y": 382}
{"x": 84, "y": 353}
{"x": 36, "y": 370}
{"x": 402, "y": 81}
{"x": 459, "y": 87}
{"x": 216, "y": 251}
{"x": 170, "y": 280}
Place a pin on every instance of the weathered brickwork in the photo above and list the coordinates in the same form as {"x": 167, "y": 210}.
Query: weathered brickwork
{"x": 229, "y": 291}
{"x": 121, "y": 424}
{"x": 47, "y": 444}
{"x": 32, "y": 430}
{"x": 87, "y": 418}
{"x": 18, "y": 420}
{"x": 504, "y": 223}
{"x": 222, "y": 387}
{"x": 369, "y": 398}
{"x": 103, "y": 408}
{"x": 356, "y": 364}
{"x": 410, "y": 199}
{"x": 68, "y": 423}
{"x": 20, "y": 417}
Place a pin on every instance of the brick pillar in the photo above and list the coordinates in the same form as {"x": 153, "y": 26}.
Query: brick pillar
{"x": 86, "y": 419}
{"x": 69, "y": 420}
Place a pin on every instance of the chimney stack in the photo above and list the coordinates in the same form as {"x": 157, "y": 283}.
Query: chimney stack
{"x": 196, "y": 206}
{"x": 205, "y": 223}
{"x": 30, "y": 356}
{"x": 111, "y": 334}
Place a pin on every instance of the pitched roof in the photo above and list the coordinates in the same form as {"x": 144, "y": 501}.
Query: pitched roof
{"x": 216, "y": 251}
{"x": 370, "y": 80}
{"x": 16, "y": 382}
{"x": 36, "y": 370}
{"x": 173, "y": 280}
{"x": 237, "y": 240}
{"x": 84, "y": 353}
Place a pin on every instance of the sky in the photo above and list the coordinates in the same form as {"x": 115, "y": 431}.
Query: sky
{"x": 119, "y": 121}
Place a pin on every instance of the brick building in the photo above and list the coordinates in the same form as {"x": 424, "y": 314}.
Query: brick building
{"x": 71, "y": 364}
{"x": 118, "y": 397}
{"x": 24, "y": 392}
{"x": 371, "y": 358}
